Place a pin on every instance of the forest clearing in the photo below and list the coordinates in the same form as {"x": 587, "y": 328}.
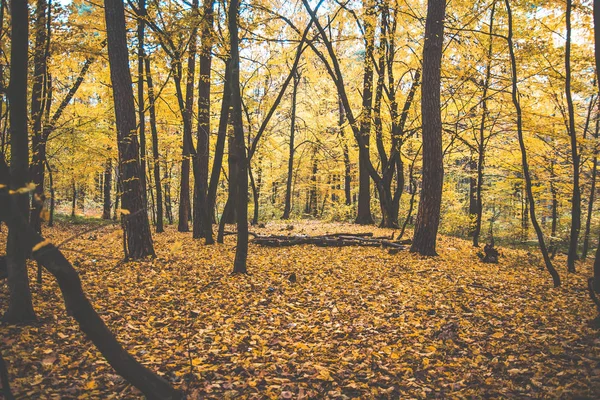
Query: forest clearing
{"x": 358, "y": 322}
{"x": 299, "y": 200}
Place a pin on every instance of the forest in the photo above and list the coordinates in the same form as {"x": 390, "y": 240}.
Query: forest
{"x": 308, "y": 199}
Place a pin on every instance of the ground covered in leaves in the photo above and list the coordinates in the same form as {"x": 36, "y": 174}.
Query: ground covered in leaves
{"x": 359, "y": 322}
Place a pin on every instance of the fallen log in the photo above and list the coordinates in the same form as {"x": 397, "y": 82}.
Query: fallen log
{"x": 330, "y": 240}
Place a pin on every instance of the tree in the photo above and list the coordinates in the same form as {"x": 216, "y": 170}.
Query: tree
{"x": 155, "y": 150}
{"x": 239, "y": 149}
{"x": 428, "y": 214}
{"x": 136, "y": 227}
{"x": 288, "y": 188}
{"x": 576, "y": 194}
{"x": 202, "y": 224}
{"x": 20, "y": 307}
{"x": 525, "y": 164}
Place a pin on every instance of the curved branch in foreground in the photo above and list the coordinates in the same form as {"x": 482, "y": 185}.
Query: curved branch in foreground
{"x": 76, "y": 302}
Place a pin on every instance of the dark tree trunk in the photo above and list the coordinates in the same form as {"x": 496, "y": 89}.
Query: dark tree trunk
{"x": 481, "y": 142}
{"x": 588, "y": 221}
{"x": 220, "y": 145}
{"x": 596, "y": 10}
{"x": 240, "y": 159}
{"x": 140, "y": 94}
{"x": 202, "y": 226}
{"x": 38, "y": 103}
{"x": 76, "y": 302}
{"x": 168, "y": 204}
{"x": 528, "y": 185}
{"x": 346, "y": 154}
{"x": 229, "y": 213}
{"x": 135, "y": 224}
{"x": 363, "y": 214}
{"x": 107, "y": 187}
{"x": 155, "y": 152}
{"x": 20, "y": 307}
{"x": 184, "y": 188}
{"x": 288, "y": 188}
{"x": 428, "y": 215}
{"x": 576, "y": 195}
{"x": 52, "y": 197}
{"x": 312, "y": 196}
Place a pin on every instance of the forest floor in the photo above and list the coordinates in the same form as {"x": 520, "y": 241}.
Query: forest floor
{"x": 359, "y": 322}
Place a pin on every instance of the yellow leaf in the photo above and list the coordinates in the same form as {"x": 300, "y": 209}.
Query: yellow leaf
{"x": 498, "y": 335}
{"x": 91, "y": 385}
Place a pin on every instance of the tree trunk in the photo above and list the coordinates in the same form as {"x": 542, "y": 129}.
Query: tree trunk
{"x": 220, "y": 145}
{"x": 576, "y": 195}
{"x": 229, "y": 213}
{"x": 346, "y": 154}
{"x": 240, "y": 159}
{"x": 168, "y": 204}
{"x": 288, "y": 188}
{"x": 155, "y": 152}
{"x": 363, "y": 214}
{"x": 136, "y": 226}
{"x": 20, "y": 307}
{"x": 106, "y": 189}
{"x": 202, "y": 226}
{"x": 528, "y": 184}
{"x": 76, "y": 302}
{"x": 481, "y": 141}
{"x": 588, "y": 221}
{"x": 38, "y": 103}
{"x": 140, "y": 89}
{"x": 428, "y": 214}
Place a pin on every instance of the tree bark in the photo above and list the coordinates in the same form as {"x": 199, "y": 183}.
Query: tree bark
{"x": 107, "y": 186}
{"x": 363, "y": 214}
{"x": 527, "y": 176}
{"x": 576, "y": 194}
{"x": 155, "y": 151}
{"x": 135, "y": 224}
{"x": 38, "y": 104}
{"x": 202, "y": 225}
{"x": 220, "y": 144}
{"x": 288, "y": 188}
{"x": 76, "y": 302}
{"x": 428, "y": 214}
{"x": 140, "y": 94}
{"x": 240, "y": 159}
{"x": 481, "y": 142}
{"x": 20, "y": 307}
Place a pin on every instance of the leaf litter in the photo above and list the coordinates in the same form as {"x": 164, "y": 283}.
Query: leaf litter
{"x": 357, "y": 322}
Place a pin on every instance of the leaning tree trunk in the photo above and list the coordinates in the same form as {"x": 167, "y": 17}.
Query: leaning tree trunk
{"x": 20, "y": 307}
{"x": 240, "y": 159}
{"x": 527, "y": 176}
{"x": 428, "y": 214}
{"x": 76, "y": 302}
{"x": 136, "y": 227}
